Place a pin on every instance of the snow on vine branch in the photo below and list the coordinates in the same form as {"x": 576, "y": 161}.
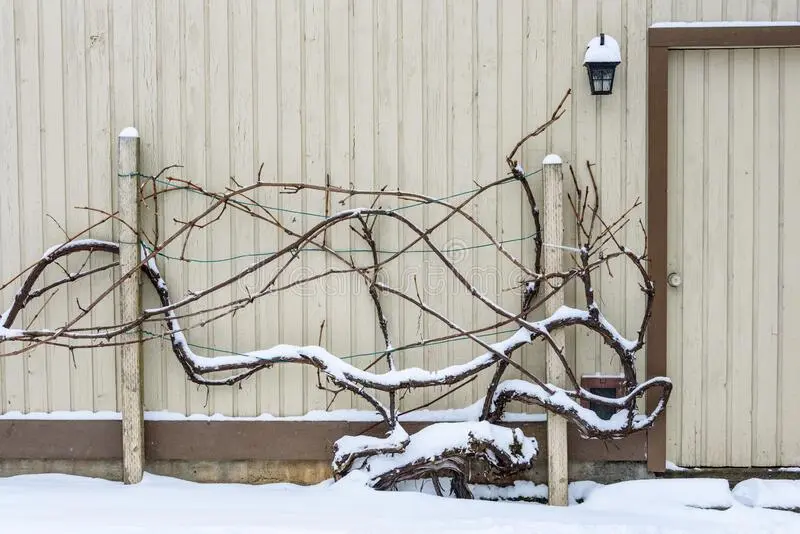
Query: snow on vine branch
{"x": 440, "y": 450}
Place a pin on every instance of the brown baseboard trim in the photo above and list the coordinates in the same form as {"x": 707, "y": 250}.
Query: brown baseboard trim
{"x": 246, "y": 440}
{"x": 25, "y": 439}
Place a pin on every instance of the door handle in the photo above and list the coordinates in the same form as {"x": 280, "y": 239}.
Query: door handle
{"x": 674, "y": 280}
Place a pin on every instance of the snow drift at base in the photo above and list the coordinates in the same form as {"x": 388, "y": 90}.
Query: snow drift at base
{"x": 65, "y": 504}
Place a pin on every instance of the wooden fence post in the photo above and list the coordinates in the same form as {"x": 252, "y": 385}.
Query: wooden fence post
{"x": 129, "y": 258}
{"x": 557, "y": 476}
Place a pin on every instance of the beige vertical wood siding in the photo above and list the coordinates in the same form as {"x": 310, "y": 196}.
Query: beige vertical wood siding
{"x": 733, "y": 137}
{"x": 421, "y": 95}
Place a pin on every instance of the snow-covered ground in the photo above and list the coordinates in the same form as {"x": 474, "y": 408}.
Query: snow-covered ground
{"x": 64, "y": 504}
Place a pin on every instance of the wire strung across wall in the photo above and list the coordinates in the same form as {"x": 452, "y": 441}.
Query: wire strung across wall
{"x": 153, "y": 336}
{"x": 509, "y": 179}
{"x": 345, "y": 250}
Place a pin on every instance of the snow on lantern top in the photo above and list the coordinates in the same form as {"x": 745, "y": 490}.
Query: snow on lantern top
{"x": 602, "y": 49}
{"x": 601, "y": 60}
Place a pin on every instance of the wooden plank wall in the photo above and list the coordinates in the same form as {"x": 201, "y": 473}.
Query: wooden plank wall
{"x": 421, "y": 95}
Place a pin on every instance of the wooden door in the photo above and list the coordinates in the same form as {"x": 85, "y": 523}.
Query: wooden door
{"x": 734, "y": 254}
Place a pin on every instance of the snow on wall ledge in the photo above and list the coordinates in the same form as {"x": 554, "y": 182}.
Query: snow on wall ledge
{"x": 470, "y": 413}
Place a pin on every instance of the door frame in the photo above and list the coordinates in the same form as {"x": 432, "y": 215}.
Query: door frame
{"x": 661, "y": 38}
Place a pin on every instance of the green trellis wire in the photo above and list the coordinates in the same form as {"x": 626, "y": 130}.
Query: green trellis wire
{"x": 351, "y": 356}
{"x": 323, "y": 216}
{"x": 340, "y": 251}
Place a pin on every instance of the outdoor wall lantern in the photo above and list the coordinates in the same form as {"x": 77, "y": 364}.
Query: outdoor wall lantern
{"x": 601, "y": 60}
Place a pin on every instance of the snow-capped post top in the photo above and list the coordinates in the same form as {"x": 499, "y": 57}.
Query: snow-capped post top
{"x": 601, "y": 60}
{"x": 130, "y": 131}
{"x": 552, "y": 159}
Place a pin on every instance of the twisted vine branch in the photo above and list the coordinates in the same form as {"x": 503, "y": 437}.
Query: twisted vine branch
{"x": 598, "y": 245}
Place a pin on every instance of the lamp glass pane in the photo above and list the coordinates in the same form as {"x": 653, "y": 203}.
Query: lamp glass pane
{"x": 601, "y": 77}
